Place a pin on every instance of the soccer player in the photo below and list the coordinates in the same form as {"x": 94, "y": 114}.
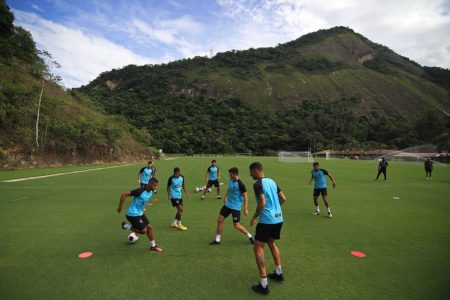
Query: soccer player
{"x": 146, "y": 173}
{"x": 236, "y": 193}
{"x": 382, "y": 168}
{"x": 269, "y": 199}
{"x": 175, "y": 184}
{"x": 135, "y": 212}
{"x": 320, "y": 187}
{"x": 428, "y": 165}
{"x": 212, "y": 178}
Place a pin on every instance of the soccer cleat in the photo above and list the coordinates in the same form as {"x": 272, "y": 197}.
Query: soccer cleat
{"x": 330, "y": 215}
{"x": 218, "y": 197}
{"x": 123, "y": 225}
{"x": 156, "y": 249}
{"x": 214, "y": 243}
{"x": 316, "y": 213}
{"x": 259, "y": 289}
{"x": 174, "y": 225}
{"x": 252, "y": 240}
{"x": 276, "y": 277}
{"x": 182, "y": 227}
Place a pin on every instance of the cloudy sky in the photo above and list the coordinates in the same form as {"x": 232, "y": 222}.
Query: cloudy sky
{"x": 92, "y": 36}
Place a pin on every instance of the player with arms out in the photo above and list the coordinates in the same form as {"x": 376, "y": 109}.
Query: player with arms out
{"x": 269, "y": 199}
{"x": 320, "y": 187}
{"x": 135, "y": 212}
{"x": 175, "y": 184}
{"x": 212, "y": 178}
{"x": 146, "y": 173}
{"x": 236, "y": 194}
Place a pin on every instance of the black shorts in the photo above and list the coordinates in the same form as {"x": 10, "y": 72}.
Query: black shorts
{"x": 226, "y": 211}
{"x": 213, "y": 183}
{"x": 264, "y": 232}
{"x": 428, "y": 170}
{"x": 138, "y": 222}
{"x": 176, "y": 202}
{"x": 317, "y": 192}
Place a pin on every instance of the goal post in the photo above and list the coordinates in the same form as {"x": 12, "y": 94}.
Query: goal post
{"x": 295, "y": 156}
{"x": 244, "y": 154}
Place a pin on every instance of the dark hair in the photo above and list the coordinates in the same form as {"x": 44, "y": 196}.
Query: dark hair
{"x": 256, "y": 166}
{"x": 234, "y": 171}
{"x": 153, "y": 179}
{"x": 315, "y": 164}
{"x": 213, "y": 161}
{"x": 149, "y": 162}
{"x": 176, "y": 169}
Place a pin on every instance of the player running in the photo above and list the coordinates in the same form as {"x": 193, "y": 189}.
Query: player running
{"x": 135, "y": 212}
{"x": 146, "y": 173}
{"x": 175, "y": 184}
{"x": 212, "y": 178}
{"x": 269, "y": 199}
{"x": 382, "y": 168}
{"x": 236, "y": 193}
{"x": 428, "y": 165}
{"x": 320, "y": 187}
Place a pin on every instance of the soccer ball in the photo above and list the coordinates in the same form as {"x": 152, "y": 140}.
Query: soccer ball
{"x": 132, "y": 238}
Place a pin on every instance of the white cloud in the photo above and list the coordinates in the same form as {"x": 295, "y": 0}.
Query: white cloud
{"x": 82, "y": 56}
{"x": 36, "y": 7}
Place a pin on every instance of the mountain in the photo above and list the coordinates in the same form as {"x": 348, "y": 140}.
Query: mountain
{"x": 328, "y": 89}
{"x": 71, "y": 128}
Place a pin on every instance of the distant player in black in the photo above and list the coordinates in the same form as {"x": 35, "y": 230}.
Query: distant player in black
{"x": 212, "y": 178}
{"x": 382, "y": 168}
{"x": 428, "y": 165}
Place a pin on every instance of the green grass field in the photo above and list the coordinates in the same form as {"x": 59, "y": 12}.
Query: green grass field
{"x": 46, "y": 223}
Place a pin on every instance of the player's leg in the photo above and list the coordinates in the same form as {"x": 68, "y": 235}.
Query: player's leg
{"x": 385, "y": 174}
{"x": 378, "y": 174}
{"x": 326, "y": 202}
{"x": 224, "y": 213}
{"x": 217, "y": 184}
{"x": 316, "y": 194}
{"x": 180, "y": 210}
{"x": 238, "y": 226}
{"x": 261, "y": 237}
{"x": 206, "y": 190}
{"x": 151, "y": 236}
{"x": 278, "y": 273}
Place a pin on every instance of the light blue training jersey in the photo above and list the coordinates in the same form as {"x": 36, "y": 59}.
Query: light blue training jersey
{"x": 141, "y": 199}
{"x": 175, "y": 184}
{"x": 271, "y": 213}
{"x": 236, "y": 189}
{"x": 213, "y": 172}
{"x": 320, "y": 178}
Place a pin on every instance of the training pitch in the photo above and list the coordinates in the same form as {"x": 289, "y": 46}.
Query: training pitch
{"x": 402, "y": 225}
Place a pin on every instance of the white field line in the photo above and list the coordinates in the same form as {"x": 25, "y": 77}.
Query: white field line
{"x": 60, "y": 174}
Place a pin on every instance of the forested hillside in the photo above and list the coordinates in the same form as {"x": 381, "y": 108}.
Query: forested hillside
{"x": 329, "y": 89}
{"x": 70, "y": 129}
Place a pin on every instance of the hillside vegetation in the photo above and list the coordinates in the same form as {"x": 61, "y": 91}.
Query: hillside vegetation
{"x": 329, "y": 89}
{"x": 70, "y": 129}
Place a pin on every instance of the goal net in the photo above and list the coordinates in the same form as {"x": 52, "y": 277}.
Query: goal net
{"x": 244, "y": 154}
{"x": 293, "y": 157}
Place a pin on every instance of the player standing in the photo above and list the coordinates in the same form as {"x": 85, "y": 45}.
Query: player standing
{"x": 382, "y": 168}
{"x": 428, "y": 165}
{"x": 269, "y": 199}
{"x": 175, "y": 184}
{"x": 146, "y": 173}
{"x": 320, "y": 187}
{"x": 135, "y": 212}
{"x": 212, "y": 178}
{"x": 236, "y": 194}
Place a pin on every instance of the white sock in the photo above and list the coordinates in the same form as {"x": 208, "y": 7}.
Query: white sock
{"x": 249, "y": 235}
{"x": 329, "y": 209}
{"x": 317, "y": 208}
{"x": 175, "y": 221}
{"x": 218, "y": 238}
{"x": 152, "y": 243}
{"x": 278, "y": 270}
{"x": 263, "y": 281}
{"x": 127, "y": 226}
{"x": 179, "y": 222}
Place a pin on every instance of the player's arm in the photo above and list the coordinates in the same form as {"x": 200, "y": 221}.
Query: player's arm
{"x": 206, "y": 175}
{"x": 281, "y": 197}
{"x": 154, "y": 172}
{"x": 311, "y": 180}
{"x": 122, "y": 200}
{"x": 245, "y": 194}
{"x": 168, "y": 186}
{"x": 259, "y": 208}
{"x": 184, "y": 189}
{"x": 332, "y": 179}
{"x": 226, "y": 196}
{"x": 139, "y": 177}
